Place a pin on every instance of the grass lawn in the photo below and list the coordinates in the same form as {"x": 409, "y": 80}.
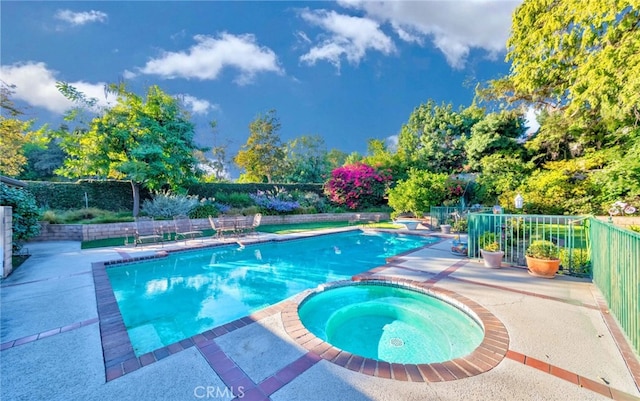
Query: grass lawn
{"x": 561, "y": 232}
{"x": 271, "y": 229}
{"x": 120, "y": 241}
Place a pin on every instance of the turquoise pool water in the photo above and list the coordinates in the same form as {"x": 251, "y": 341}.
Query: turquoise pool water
{"x": 390, "y": 324}
{"x": 166, "y": 300}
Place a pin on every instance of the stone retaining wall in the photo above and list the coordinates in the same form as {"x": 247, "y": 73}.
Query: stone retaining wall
{"x": 88, "y": 232}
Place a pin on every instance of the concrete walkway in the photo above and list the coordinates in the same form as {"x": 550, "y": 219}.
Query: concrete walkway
{"x": 562, "y": 345}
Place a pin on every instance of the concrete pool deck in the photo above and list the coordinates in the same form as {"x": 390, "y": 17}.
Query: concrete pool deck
{"x": 563, "y": 345}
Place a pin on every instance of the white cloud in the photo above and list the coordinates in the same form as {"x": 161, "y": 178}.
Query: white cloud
{"x": 210, "y": 55}
{"x": 348, "y": 36}
{"x": 454, "y": 27}
{"x": 81, "y": 18}
{"x": 197, "y": 106}
{"x": 302, "y": 36}
{"x": 129, "y": 74}
{"x": 35, "y": 84}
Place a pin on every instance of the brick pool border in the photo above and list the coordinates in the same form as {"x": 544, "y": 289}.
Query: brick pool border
{"x": 485, "y": 357}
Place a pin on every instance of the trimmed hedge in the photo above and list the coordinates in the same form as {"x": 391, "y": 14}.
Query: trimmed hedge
{"x": 116, "y": 195}
{"x": 209, "y": 190}
{"x": 106, "y": 195}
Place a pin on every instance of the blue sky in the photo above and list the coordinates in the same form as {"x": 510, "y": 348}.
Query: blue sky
{"x": 348, "y": 71}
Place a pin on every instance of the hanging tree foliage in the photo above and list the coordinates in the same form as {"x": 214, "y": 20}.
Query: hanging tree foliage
{"x": 581, "y": 59}
{"x": 147, "y": 141}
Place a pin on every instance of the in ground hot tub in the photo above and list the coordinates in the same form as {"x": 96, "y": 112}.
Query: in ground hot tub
{"x": 391, "y": 323}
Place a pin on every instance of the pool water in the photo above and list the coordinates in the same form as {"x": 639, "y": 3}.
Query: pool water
{"x": 169, "y": 299}
{"x": 390, "y": 324}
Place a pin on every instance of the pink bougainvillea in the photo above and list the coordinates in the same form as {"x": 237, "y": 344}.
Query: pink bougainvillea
{"x": 455, "y": 187}
{"x": 357, "y": 185}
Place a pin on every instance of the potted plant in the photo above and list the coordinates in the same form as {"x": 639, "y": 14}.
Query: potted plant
{"x": 459, "y": 246}
{"x": 446, "y": 227}
{"x": 543, "y": 258}
{"x": 490, "y": 250}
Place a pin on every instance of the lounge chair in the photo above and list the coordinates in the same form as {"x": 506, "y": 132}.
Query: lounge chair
{"x": 214, "y": 226}
{"x": 355, "y": 219}
{"x": 257, "y": 219}
{"x": 184, "y": 229}
{"x": 147, "y": 231}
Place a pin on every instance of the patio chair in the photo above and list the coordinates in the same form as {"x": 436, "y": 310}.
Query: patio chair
{"x": 184, "y": 229}
{"x": 242, "y": 225}
{"x": 257, "y": 219}
{"x": 146, "y": 231}
{"x": 219, "y": 227}
{"x": 223, "y": 225}
{"x": 215, "y": 227}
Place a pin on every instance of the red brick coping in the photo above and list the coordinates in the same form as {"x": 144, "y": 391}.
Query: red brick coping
{"x": 485, "y": 357}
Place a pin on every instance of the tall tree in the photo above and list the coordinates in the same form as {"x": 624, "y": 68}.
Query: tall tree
{"x": 262, "y": 155}
{"x": 215, "y": 168}
{"x": 12, "y": 140}
{"x": 496, "y": 133}
{"x": 147, "y": 141}
{"x": 44, "y": 157}
{"x": 335, "y": 158}
{"x": 579, "y": 59}
{"x": 14, "y": 134}
{"x": 306, "y": 160}
{"x": 434, "y": 136}
{"x": 381, "y": 157}
{"x": 219, "y": 153}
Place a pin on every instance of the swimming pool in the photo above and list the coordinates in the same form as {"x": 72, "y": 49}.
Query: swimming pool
{"x": 168, "y": 299}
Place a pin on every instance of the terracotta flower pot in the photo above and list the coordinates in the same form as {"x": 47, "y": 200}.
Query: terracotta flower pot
{"x": 542, "y": 267}
{"x": 492, "y": 260}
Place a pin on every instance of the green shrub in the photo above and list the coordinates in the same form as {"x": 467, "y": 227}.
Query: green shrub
{"x": 90, "y": 215}
{"x": 311, "y": 201}
{"x": 51, "y": 217}
{"x": 634, "y": 228}
{"x": 576, "y": 261}
{"x": 203, "y": 211}
{"x": 307, "y": 210}
{"x": 250, "y": 210}
{"x": 417, "y": 193}
{"x": 26, "y": 215}
{"x": 488, "y": 242}
{"x": 218, "y": 190}
{"x": 236, "y": 199}
{"x": 460, "y": 226}
{"x": 84, "y": 214}
{"x": 543, "y": 249}
{"x": 165, "y": 204}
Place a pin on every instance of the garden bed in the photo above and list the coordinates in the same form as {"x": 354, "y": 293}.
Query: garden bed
{"x": 91, "y": 232}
